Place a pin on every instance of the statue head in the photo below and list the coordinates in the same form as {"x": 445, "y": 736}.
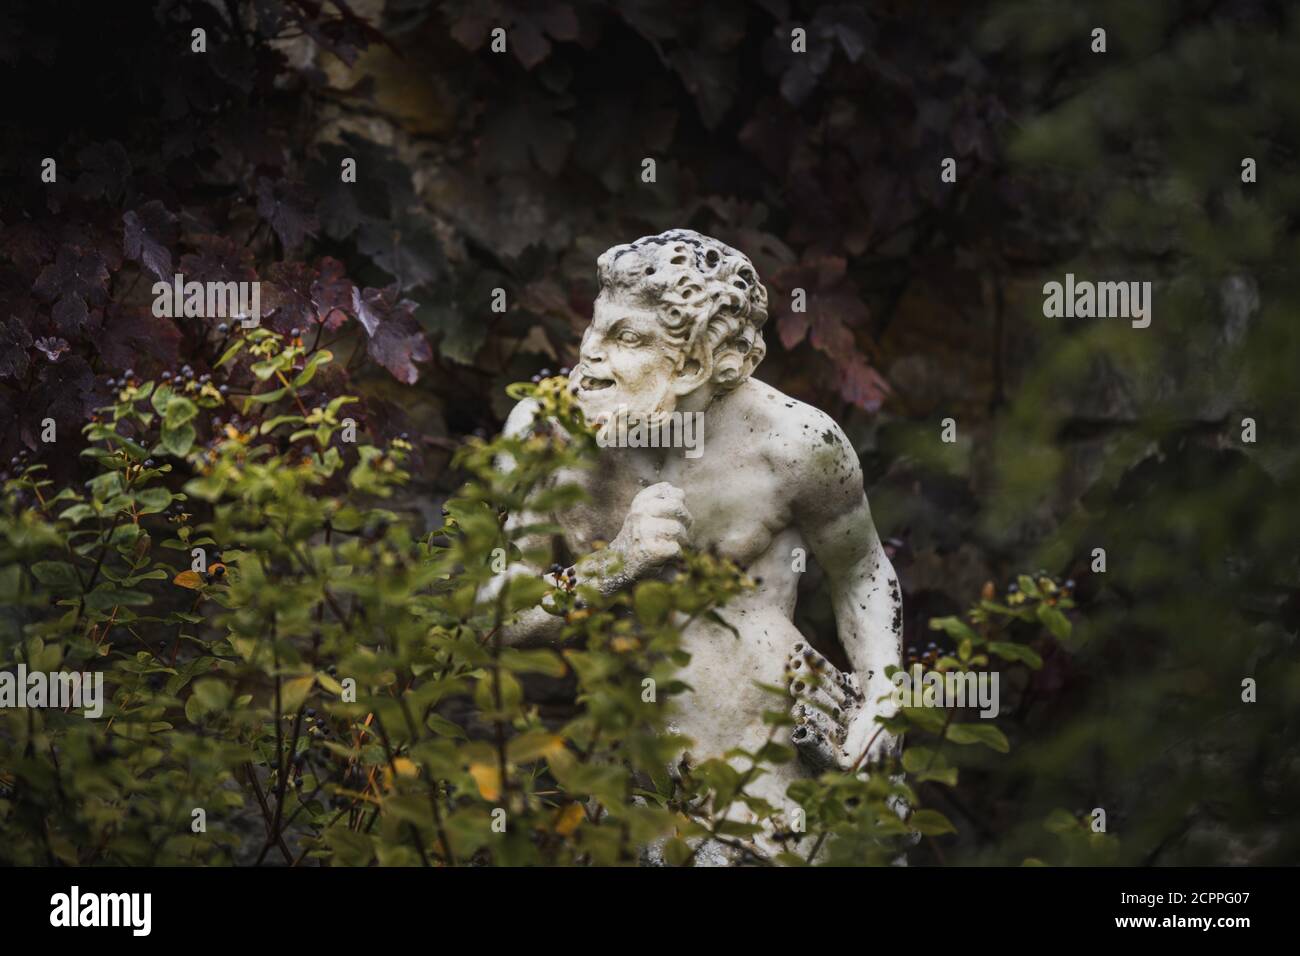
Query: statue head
{"x": 676, "y": 313}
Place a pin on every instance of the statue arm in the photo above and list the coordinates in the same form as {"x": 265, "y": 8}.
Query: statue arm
{"x": 864, "y": 592}
{"x": 834, "y": 518}
{"x": 654, "y": 531}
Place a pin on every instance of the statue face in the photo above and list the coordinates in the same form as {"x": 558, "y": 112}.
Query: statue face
{"x": 626, "y": 360}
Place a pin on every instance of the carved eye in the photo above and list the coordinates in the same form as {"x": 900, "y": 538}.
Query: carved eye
{"x": 628, "y": 337}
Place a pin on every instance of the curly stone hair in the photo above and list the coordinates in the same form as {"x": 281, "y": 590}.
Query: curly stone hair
{"x": 706, "y": 293}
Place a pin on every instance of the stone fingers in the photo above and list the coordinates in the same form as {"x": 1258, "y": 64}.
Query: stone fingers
{"x": 815, "y": 745}
{"x": 807, "y": 666}
{"x": 817, "y": 699}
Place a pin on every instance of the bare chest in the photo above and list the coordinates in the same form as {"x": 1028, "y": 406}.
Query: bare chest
{"x": 736, "y": 502}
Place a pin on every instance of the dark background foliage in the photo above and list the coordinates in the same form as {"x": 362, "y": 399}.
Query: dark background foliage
{"x": 479, "y": 171}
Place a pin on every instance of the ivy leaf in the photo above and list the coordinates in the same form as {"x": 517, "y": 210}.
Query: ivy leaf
{"x": 131, "y": 333}
{"x": 67, "y": 391}
{"x": 344, "y": 35}
{"x": 74, "y": 272}
{"x": 529, "y": 31}
{"x": 105, "y": 168}
{"x": 288, "y": 295}
{"x": 531, "y": 128}
{"x": 218, "y": 259}
{"x": 289, "y": 208}
{"x": 861, "y": 384}
{"x": 711, "y": 79}
{"x": 331, "y": 294}
{"x": 404, "y": 246}
{"x": 302, "y": 296}
{"x": 70, "y": 314}
{"x": 395, "y": 339}
{"x": 14, "y": 342}
{"x": 832, "y": 309}
{"x": 148, "y": 233}
{"x": 383, "y": 185}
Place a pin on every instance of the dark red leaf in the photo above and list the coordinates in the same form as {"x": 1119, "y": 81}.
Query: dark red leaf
{"x": 105, "y": 168}
{"x": 289, "y": 208}
{"x": 396, "y": 341}
{"x": 75, "y": 272}
{"x": 218, "y": 259}
{"x": 331, "y": 294}
{"x": 147, "y": 235}
{"x": 132, "y": 334}
{"x": 70, "y": 314}
{"x": 287, "y": 294}
{"x": 860, "y": 383}
{"x": 14, "y": 342}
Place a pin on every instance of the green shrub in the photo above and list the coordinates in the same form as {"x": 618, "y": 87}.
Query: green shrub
{"x": 325, "y": 680}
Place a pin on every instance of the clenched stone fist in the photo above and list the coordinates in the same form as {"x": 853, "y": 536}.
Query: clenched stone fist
{"x": 655, "y": 530}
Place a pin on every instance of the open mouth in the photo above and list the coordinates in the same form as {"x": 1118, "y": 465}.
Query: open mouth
{"x": 589, "y": 383}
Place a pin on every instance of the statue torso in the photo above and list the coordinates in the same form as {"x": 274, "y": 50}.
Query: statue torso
{"x": 739, "y": 492}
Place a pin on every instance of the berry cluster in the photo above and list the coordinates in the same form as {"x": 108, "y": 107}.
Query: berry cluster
{"x": 546, "y": 373}
{"x": 1051, "y": 590}
{"x": 565, "y": 578}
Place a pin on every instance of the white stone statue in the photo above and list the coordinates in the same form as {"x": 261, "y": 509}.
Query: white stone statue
{"x": 677, "y": 328}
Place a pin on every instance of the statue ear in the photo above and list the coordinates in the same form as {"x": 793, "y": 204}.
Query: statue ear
{"x": 693, "y": 369}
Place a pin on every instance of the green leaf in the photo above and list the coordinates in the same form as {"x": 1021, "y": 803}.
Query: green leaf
{"x": 177, "y": 441}
{"x": 153, "y": 500}
{"x": 1056, "y": 622}
{"x": 930, "y": 823}
{"x": 230, "y": 353}
{"x": 1061, "y": 821}
{"x": 955, "y": 628}
{"x": 179, "y": 411}
{"x": 309, "y": 370}
{"x": 57, "y": 574}
{"x": 263, "y": 398}
{"x": 979, "y": 733}
{"x": 161, "y": 397}
{"x": 539, "y": 661}
{"x": 653, "y": 601}
{"x": 77, "y": 513}
{"x": 1016, "y": 652}
{"x": 926, "y": 718}
{"x": 926, "y": 763}
{"x": 294, "y": 692}
{"x": 533, "y": 745}
{"x": 444, "y": 728}
{"x": 212, "y": 694}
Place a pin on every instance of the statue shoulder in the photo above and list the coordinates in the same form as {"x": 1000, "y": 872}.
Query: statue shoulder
{"x": 521, "y": 417}
{"x": 801, "y": 430}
